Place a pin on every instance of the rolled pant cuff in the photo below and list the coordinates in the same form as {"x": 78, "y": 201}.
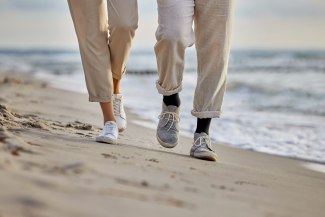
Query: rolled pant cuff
{"x": 206, "y": 114}
{"x": 164, "y": 92}
{"x": 100, "y": 99}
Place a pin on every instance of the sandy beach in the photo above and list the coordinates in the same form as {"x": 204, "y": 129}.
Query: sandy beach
{"x": 51, "y": 166}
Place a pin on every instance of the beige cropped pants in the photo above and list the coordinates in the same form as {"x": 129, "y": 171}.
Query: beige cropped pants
{"x": 211, "y": 35}
{"x": 104, "y": 42}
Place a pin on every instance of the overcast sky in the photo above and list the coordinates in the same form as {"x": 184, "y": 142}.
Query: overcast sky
{"x": 293, "y": 24}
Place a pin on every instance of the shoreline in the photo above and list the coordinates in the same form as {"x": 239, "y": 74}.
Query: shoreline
{"x": 289, "y": 123}
{"x": 49, "y": 165}
{"x": 149, "y": 123}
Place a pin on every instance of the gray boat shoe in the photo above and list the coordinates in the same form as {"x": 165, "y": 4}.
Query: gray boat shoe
{"x": 168, "y": 126}
{"x": 201, "y": 148}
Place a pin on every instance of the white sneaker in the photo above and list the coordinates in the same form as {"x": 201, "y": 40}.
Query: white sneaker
{"x": 119, "y": 112}
{"x": 109, "y": 133}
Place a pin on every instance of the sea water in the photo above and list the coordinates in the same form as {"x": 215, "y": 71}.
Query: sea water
{"x": 275, "y": 100}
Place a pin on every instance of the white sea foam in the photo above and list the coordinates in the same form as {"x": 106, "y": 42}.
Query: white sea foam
{"x": 291, "y": 134}
{"x": 314, "y": 166}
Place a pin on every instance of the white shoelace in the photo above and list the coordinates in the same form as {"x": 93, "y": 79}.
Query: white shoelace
{"x": 172, "y": 116}
{"x": 117, "y": 106}
{"x": 203, "y": 139}
{"x": 109, "y": 129}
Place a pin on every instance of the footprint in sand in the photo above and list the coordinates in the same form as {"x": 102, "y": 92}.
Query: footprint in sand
{"x": 79, "y": 126}
{"x": 249, "y": 183}
{"x": 109, "y": 156}
{"x": 153, "y": 160}
{"x": 31, "y": 202}
{"x": 223, "y": 187}
{"x": 13, "y": 144}
{"x": 13, "y": 120}
{"x": 73, "y": 168}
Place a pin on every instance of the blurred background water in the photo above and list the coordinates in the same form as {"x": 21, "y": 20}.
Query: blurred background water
{"x": 275, "y": 100}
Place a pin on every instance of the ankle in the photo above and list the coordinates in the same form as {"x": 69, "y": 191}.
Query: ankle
{"x": 203, "y": 125}
{"x": 198, "y": 132}
{"x": 173, "y": 100}
{"x": 109, "y": 120}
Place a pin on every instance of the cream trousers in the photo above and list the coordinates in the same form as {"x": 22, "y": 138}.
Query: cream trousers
{"x": 104, "y": 42}
{"x": 211, "y": 35}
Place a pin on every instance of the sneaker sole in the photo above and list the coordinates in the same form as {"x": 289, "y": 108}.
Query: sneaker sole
{"x": 206, "y": 156}
{"x": 166, "y": 145}
{"x": 106, "y": 140}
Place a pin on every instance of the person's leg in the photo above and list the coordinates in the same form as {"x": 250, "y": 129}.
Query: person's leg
{"x": 203, "y": 125}
{"x": 107, "y": 110}
{"x": 90, "y": 22}
{"x": 173, "y": 100}
{"x": 174, "y": 35}
{"x": 212, "y": 31}
{"x": 122, "y": 24}
{"x": 116, "y": 83}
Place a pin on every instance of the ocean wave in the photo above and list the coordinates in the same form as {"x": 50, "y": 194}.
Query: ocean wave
{"x": 141, "y": 72}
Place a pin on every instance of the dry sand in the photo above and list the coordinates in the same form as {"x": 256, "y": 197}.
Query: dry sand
{"x": 51, "y": 166}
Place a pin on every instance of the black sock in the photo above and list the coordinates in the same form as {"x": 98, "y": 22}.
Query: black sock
{"x": 172, "y": 100}
{"x": 203, "y": 125}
